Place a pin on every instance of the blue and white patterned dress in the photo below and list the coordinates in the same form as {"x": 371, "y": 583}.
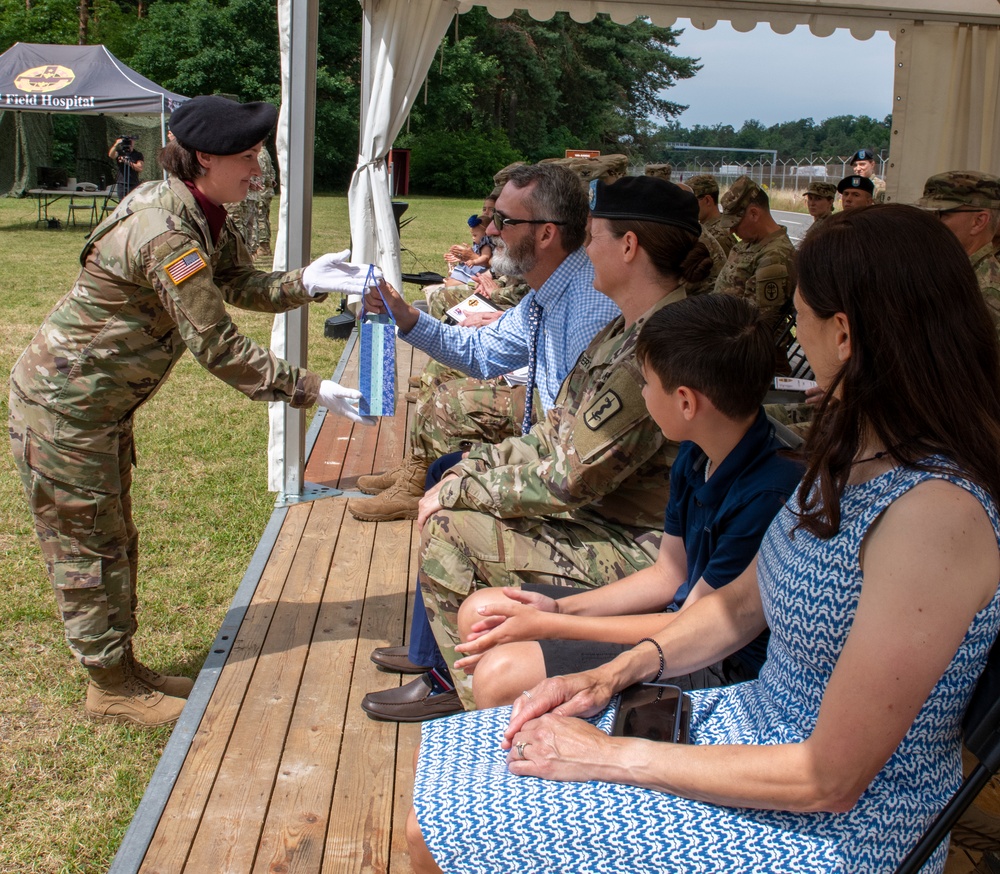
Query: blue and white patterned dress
{"x": 477, "y": 817}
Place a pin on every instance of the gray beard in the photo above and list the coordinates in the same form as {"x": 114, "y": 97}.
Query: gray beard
{"x": 507, "y": 263}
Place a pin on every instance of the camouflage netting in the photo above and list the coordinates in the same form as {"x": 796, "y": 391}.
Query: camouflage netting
{"x": 26, "y": 145}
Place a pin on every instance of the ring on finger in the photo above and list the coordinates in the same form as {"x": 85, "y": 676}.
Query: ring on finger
{"x": 519, "y": 746}
{"x": 526, "y": 694}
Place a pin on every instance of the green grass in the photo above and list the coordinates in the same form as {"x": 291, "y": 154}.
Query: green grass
{"x": 68, "y": 789}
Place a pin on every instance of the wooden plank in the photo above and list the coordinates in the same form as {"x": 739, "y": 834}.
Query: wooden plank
{"x": 359, "y": 834}
{"x": 406, "y": 744}
{"x": 182, "y": 813}
{"x": 293, "y": 835}
{"x": 234, "y": 815}
{"x": 326, "y": 460}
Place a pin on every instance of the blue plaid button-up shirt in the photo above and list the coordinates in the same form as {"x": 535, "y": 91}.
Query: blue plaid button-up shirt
{"x": 572, "y": 313}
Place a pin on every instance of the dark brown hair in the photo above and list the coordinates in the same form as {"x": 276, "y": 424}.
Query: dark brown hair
{"x": 923, "y": 374}
{"x": 718, "y": 344}
{"x": 178, "y": 159}
{"x": 673, "y": 250}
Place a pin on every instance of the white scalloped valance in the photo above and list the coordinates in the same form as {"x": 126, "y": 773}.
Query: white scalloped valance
{"x": 863, "y": 17}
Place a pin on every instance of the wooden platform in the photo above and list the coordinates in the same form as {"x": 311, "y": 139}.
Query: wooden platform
{"x": 273, "y": 766}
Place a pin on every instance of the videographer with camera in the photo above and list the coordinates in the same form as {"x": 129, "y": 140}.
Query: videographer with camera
{"x": 130, "y": 163}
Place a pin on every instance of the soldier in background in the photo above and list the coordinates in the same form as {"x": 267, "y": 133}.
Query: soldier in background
{"x": 863, "y": 164}
{"x": 660, "y": 171}
{"x": 156, "y": 278}
{"x": 968, "y": 202}
{"x": 252, "y": 215}
{"x": 819, "y": 201}
{"x": 856, "y": 192}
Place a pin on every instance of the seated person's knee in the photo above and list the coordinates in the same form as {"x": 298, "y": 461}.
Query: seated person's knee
{"x": 468, "y": 613}
{"x": 505, "y": 672}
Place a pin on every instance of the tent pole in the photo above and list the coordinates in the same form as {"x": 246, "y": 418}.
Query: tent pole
{"x": 301, "y": 99}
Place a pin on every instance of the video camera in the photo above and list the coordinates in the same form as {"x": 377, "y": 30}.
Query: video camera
{"x": 124, "y": 147}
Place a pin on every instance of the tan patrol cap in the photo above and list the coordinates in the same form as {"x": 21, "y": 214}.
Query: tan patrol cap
{"x": 704, "y": 184}
{"x": 957, "y": 188}
{"x": 822, "y": 189}
{"x": 735, "y": 201}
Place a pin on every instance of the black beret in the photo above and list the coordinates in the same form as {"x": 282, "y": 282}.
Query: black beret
{"x": 862, "y": 155}
{"x": 862, "y": 182}
{"x": 645, "y": 199}
{"x": 220, "y": 126}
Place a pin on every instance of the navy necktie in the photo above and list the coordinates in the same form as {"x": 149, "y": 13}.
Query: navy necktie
{"x": 534, "y": 322}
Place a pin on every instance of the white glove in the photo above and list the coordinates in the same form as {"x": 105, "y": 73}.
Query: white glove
{"x": 333, "y": 272}
{"x": 337, "y": 399}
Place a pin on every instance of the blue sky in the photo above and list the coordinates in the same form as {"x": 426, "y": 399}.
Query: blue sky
{"x": 799, "y": 75}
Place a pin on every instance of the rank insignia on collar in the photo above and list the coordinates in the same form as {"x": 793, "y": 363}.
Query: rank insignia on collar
{"x": 602, "y": 410}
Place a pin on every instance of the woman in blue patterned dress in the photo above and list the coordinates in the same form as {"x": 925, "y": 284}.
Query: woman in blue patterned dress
{"x": 878, "y": 581}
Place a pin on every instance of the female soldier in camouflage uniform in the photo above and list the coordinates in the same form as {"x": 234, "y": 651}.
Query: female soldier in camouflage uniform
{"x": 156, "y": 278}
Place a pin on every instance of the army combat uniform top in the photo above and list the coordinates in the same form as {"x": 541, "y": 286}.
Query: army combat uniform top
{"x": 153, "y": 283}
{"x": 986, "y": 263}
{"x": 577, "y": 501}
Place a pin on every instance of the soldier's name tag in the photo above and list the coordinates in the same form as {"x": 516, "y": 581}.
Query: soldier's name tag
{"x": 185, "y": 267}
{"x": 602, "y": 410}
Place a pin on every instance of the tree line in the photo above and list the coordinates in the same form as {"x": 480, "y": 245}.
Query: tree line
{"x": 499, "y": 90}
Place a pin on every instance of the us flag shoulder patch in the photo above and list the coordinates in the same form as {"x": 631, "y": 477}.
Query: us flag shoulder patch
{"x": 185, "y": 267}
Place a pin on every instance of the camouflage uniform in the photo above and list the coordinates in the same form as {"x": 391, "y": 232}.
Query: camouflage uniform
{"x": 986, "y": 263}
{"x": 879, "y": 183}
{"x": 763, "y": 272}
{"x": 105, "y": 349}
{"x": 252, "y": 215}
{"x": 663, "y": 171}
{"x": 578, "y": 501}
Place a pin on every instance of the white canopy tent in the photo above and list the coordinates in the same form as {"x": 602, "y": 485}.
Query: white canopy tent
{"x": 946, "y": 112}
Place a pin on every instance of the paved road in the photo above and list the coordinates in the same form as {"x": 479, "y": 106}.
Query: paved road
{"x": 796, "y": 222}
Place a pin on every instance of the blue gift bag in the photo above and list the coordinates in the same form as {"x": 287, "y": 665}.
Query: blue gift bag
{"x": 377, "y": 382}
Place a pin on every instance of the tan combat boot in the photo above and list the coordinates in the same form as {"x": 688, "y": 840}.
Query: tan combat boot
{"x": 115, "y": 695}
{"x": 399, "y": 501}
{"x": 379, "y": 482}
{"x": 169, "y": 685}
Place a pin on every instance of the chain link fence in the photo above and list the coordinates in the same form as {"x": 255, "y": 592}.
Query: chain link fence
{"x": 791, "y": 174}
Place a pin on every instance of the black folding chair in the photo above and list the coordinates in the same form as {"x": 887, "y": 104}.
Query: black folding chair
{"x": 981, "y": 727}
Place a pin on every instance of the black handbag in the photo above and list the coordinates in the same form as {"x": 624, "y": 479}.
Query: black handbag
{"x": 654, "y": 711}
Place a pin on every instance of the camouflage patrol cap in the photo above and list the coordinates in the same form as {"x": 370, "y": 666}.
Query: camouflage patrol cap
{"x": 735, "y": 201}
{"x": 661, "y": 171}
{"x": 704, "y": 185}
{"x": 958, "y": 188}
{"x": 822, "y": 189}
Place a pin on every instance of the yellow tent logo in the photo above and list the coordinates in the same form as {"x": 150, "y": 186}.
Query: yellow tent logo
{"x": 50, "y": 77}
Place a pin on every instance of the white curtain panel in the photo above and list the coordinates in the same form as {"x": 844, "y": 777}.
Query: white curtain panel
{"x": 405, "y": 35}
{"x": 947, "y": 113}
{"x": 275, "y": 413}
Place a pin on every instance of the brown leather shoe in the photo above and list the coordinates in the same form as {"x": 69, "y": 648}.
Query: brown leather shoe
{"x": 396, "y": 659}
{"x": 412, "y": 702}
{"x": 412, "y": 397}
{"x": 414, "y": 382}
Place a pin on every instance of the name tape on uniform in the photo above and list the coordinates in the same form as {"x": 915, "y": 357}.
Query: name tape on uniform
{"x": 185, "y": 267}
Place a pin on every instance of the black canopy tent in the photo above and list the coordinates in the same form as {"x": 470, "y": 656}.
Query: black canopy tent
{"x": 79, "y": 80}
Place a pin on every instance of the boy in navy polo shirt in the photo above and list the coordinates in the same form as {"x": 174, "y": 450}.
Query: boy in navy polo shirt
{"x": 707, "y": 362}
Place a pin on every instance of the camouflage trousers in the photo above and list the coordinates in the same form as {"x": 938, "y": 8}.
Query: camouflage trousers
{"x": 460, "y": 412}
{"x": 441, "y": 298}
{"x": 463, "y": 550}
{"x": 77, "y": 477}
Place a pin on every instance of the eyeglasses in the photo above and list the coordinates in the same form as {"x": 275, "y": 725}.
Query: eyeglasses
{"x": 500, "y": 220}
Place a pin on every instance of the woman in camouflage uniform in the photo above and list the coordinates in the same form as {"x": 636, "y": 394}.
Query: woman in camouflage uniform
{"x": 155, "y": 280}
